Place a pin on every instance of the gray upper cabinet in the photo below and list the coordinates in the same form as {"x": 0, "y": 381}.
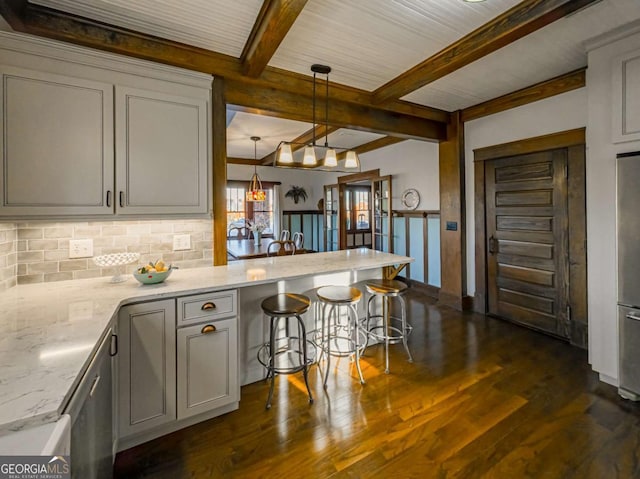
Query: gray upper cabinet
{"x": 161, "y": 152}
{"x": 92, "y": 134}
{"x": 57, "y": 145}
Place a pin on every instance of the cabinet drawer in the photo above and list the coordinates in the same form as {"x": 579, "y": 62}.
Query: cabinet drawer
{"x": 207, "y": 307}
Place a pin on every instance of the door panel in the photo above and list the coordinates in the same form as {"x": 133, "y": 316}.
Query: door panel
{"x": 527, "y": 263}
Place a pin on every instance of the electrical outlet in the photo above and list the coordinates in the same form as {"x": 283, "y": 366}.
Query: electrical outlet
{"x": 181, "y": 242}
{"x": 81, "y": 248}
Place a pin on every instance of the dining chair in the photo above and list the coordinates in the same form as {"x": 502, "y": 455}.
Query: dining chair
{"x": 285, "y": 235}
{"x": 298, "y": 239}
{"x": 238, "y": 232}
{"x": 281, "y": 248}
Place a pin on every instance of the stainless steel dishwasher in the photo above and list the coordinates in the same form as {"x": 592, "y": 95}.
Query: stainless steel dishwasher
{"x": 91, "y": 414}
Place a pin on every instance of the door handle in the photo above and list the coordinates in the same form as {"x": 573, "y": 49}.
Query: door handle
{"x": 122, "y": 199}
{"x": 109, "y": 198}
{"x": 114, "y": 345}
{"x": 493, "y": 245}
{"x": 94, "y": 386}
{"x": 633, "y": 316}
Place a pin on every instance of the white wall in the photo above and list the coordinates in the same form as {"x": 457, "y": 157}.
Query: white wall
{"x": 601, "y": 210}
{"x": 551, "y": 115}
{"x": 312, "y": 181}
{"x": 413, "y": 164}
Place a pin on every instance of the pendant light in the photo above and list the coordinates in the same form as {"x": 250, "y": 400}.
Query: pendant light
{"x": 346, "y": 161}
{"x": 255, "y": 192}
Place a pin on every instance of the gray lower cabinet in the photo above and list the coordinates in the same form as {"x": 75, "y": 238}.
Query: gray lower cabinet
{"x": 146, "y": 366}
{"x": 207, "y": 367}
{"x": 166, "y": 375}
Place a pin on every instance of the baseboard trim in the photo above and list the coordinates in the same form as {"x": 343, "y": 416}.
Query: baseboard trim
{"x": 464, "y": 303}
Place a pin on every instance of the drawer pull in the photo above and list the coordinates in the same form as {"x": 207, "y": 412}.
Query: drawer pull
{"x": 633, "y": 316}
{"x": 209, "y": 328}
{"x": 208, "y": 306}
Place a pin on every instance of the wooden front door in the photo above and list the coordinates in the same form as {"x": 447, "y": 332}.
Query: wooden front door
{"x": 527, "y": 239}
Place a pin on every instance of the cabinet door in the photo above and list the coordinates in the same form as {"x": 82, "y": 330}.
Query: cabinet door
{"x": 207, "y": 367}
{"x": 56, "y": 144}
{"x": 146, "y": 366}
{"x": 161, "y": 153}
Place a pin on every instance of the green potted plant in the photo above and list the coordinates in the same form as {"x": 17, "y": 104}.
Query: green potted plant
{"x": 296, "y": 192}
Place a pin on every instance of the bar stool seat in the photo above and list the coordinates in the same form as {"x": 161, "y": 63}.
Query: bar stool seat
{"x": 387, "y": 332}
{"x": 286, "y": 354}
{"x": 346, "y": 338}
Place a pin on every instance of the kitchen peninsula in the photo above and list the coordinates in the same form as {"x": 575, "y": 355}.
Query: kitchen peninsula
{"x": 50, "y": 332}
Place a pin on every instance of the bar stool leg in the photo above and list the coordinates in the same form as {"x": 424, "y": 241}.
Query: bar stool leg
{"x": 271, "y": 368}
{"x": 353, "y": 309}
{"x": 385, "y": 324}
{"x": 405, "y": 331}
{"x": 305, "y": 371}
{"x": 328, "y": 339}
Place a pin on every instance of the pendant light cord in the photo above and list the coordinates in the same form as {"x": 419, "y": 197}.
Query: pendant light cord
{"x": 314, "y": 109}
{"x": 326, "y": 115}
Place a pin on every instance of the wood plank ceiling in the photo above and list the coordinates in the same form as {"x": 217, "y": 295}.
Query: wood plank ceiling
{"x": 399, "y": 66}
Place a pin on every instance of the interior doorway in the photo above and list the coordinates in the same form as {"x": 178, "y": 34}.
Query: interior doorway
{"x": 358, "y": 212}
{"x": 530, "y": 233}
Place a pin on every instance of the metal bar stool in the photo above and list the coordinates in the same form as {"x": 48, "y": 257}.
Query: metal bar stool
{"x": 347, "y": 337}
{"x": 288, "y": 358}
{"x": 387, "y": 289}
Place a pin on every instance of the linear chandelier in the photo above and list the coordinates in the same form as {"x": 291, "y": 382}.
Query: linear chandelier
{"x": 255, "y": 191}
{"x": 310, "y": 156}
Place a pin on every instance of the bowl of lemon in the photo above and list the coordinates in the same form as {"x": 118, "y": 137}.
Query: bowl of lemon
{"x": 153, "y": 273}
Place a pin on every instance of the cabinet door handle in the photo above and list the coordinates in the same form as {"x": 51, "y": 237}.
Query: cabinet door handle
{"x": 122, "y": 199}
{"x": 109, "y": 198}
{"x": 207, "y": 306}
{"x": 209, "y": 328}
{"x": 114, "y": 345}
{"x": 94, "y": 386}
{"x": 633, "y": 316}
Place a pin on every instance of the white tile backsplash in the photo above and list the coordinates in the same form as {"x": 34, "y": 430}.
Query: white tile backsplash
{"x": 38, "y": 251}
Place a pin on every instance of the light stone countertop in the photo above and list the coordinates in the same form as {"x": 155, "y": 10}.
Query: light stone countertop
{"x": 50, "y": 331}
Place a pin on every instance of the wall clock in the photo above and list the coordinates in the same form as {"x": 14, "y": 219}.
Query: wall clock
{"x": 410, "y": 199}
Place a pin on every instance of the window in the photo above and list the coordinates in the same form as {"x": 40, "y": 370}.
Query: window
{"x": 361, "y": 208}
{"x": 357, "y": 205}
{"x": 239, "y": 210}
{"x": 235, "y": 206}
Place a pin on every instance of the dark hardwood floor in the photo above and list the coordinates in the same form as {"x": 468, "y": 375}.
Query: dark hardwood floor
{"x": 483, "y": 398}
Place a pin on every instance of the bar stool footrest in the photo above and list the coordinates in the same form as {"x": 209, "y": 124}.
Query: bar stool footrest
{"x": 288, "y": 359}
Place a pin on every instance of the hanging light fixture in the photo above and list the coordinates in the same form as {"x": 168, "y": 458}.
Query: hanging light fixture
{"x": 333, "y": 158}
{"x": 255, "y": 191}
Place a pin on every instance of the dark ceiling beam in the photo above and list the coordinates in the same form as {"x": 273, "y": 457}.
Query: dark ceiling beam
{"x": 274, "y": 21}
{"x": 560, "y": 84}
{"x": 517, "y": 22}
{"x": 38, "y": 20}
{"x": 304, "y": 139}
{"x": 281, "y": 104}
{"x": 243, "y": 161}
{"x": 373, "y": 145}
